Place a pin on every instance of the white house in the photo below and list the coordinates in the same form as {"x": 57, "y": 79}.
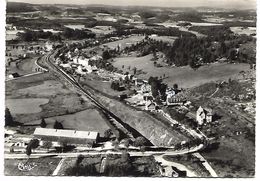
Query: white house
{"x": 175, "y": 99}
{"x": 145, "y": 88}
{"x": 150, "y": 106}
{"x": 204, "y": 115}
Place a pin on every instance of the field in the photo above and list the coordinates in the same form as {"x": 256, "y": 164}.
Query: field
{"x": 169, "y": 39}
{"x": 242, "y": 30}
{"x": 87, "y": 120}
{"x": 25, "y": 106}
{"x": 11, "y": 34}
{"x": 102, "y": 29}
{"x": 114, "y": 166}
{"x": 187, "y": 77}
{"x": 75, "y": 26}
{"x": 60, "y": 103}
{"x": 45, "y": 167}
{"x": 174, "y": 24}
{"x": 125, "y": 42}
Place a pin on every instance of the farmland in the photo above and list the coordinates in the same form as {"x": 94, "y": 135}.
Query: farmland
{"x": 184, "y": 76}
{"x": 125, "y": 42}
{"x": 29, "y": 102}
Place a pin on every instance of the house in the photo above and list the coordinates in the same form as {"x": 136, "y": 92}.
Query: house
{"x": 139, "y": 82}
{"x": 174, "y": 98}
{"x": 150, "y": 106}
{"x": 72, "y": 137}
{"x": 203, "y": 115}
{"x": 14, "y": 75}
{"x": 146, "y": 88}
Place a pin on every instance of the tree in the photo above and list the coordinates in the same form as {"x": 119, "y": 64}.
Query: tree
{"x": 28, "y": 151}
{"x": 108, "y": 133}
{"x": 57, "y": 125}
{"x": 8, "y": 118}
{"x": 63, "y": 144}
{"x": 106, "y": 55}
{"x": 175, "y": 86}
{"x": 140, "y": 141}
{"x": 43, "y": 123}
{"x": 34, "y": 143}
{"x": 134, "y": 69}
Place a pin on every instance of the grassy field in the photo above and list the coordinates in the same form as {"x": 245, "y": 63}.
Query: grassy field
{"x": 125, "y": 42}
{"x": 102, "y": 29}
{"x": 169, "y": 39}
{"x": 242, "y": 30}
{"x": 61, "y": 104}
{"x": 45, "y": 167}
{"x": 185, "y": 77}
{"x": 87, "y": 120}
{"x": 25, "y": 106}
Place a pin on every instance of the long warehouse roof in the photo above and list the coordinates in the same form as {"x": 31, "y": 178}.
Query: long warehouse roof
{"x": 66, "y": 133}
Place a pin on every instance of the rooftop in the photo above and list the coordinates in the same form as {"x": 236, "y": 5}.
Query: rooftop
{"x": 65, "y": 133}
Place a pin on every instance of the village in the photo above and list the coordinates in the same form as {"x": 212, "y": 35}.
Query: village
{"x": 140, "y": 92}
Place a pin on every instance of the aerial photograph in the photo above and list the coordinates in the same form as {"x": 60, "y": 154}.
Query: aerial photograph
{"x": 130, "y": 88}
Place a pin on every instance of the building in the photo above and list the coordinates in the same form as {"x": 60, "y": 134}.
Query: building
{"x": 150, "y": 106}
{"x": 146, "y": 88}
{"x": 173, "y": 98}
{"x": 71, "y": 137}
{"x": 204, "y": 115}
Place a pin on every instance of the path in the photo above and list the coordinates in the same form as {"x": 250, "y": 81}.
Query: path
{"x": 57, "y": 169}
{"x": 206, "y": 164}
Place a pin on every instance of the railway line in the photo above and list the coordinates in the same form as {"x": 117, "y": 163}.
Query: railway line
{"x": 111, "y": 117}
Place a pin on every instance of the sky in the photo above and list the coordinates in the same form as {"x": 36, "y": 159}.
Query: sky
{"x": 241, "y": 4}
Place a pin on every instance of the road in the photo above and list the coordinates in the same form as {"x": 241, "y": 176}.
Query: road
{"x": 31, "y": 74}
{"x": 206, "y": 164}
{"x": 159, "y": 158}
{"x": 132, "y": 153}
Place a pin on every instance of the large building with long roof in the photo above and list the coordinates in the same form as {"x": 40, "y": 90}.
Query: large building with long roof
{"x": 71, "y": 137}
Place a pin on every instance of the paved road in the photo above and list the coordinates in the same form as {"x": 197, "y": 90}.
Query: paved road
{"x": 132, "y": 153}
{"x": 27, "y": 75}
{"x": 179, "y": 166}
{"x": 206, "y": 164}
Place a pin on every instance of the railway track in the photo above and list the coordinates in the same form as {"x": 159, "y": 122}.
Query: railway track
{"x": 111, "y": 117}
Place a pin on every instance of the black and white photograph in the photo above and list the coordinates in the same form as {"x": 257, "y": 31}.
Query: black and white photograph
{"x": 129, "y": 88}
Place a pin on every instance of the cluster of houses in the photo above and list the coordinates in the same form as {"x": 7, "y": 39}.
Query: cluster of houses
{"x": 142, "y": 96}
{"x": 80, "y": 63}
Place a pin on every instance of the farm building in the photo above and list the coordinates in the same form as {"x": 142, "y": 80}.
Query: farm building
{"x": 71, "y": 137}
{"x": 204, "y": 115}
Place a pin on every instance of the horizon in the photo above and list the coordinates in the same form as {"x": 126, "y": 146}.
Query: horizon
{"x": 226, "y": 4}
